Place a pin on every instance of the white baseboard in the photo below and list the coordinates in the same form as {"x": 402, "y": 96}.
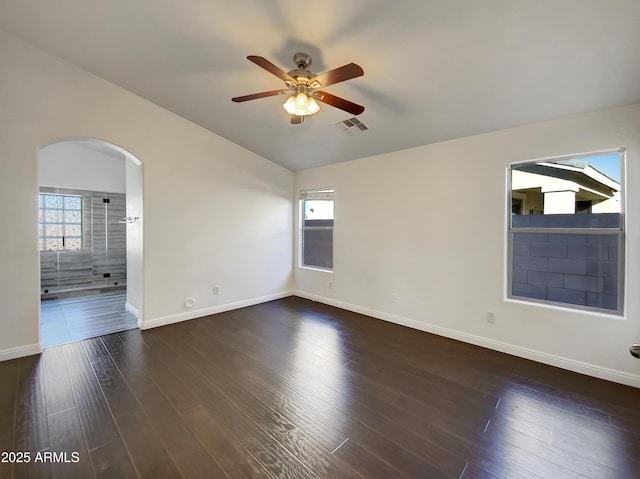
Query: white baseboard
{"x": 539, "y": 356}
{"x": 22, "y": 351}
{"x": 132, "y": 309}
{"x": 176, "y": 318}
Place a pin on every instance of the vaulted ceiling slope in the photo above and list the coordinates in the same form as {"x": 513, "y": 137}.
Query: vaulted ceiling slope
{"x": 434, "y": 70}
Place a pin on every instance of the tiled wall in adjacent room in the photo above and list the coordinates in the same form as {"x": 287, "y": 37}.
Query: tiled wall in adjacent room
{"x": 103, "y": 250}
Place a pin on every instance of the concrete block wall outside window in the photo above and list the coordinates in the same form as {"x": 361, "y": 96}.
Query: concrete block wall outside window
{"x": 572, "y": 258}
{"x": 579, "y": 269}
{"x": 317, "y": 208}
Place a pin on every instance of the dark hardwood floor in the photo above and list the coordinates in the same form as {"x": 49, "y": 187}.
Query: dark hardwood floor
{"x": 296, "y": 389}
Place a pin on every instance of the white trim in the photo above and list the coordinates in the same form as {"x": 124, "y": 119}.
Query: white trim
{"x": 532, "y": 354}
{"x": 19, "y": 352}
{"x": 176, "y": 318}
{"x": 132, "y": 309}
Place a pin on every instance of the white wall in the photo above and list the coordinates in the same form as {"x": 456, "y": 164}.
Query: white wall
{"x": 71, "y": 164}
{"x": 135, "y": 265}
{"x": 214, "y": 213}
{"x": 411, "y": 223}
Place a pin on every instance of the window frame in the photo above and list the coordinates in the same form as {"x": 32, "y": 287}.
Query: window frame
{"x": 42, "y": 238}
{"x": 619, "y": 231}
{"x": 328, "y": 194}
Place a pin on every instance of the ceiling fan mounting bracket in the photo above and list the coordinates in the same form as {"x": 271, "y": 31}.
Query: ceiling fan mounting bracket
{"x": 302, "y": 60}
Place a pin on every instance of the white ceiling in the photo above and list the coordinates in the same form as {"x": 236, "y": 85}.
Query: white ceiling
{"x": 434, "y": 69}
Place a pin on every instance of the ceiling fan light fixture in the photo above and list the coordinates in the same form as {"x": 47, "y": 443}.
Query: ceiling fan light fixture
{"x": 301, "y": 105}
{"x": 313, "y": 106}
{"x": 302, "y": 100}
{"x": 290, "y": 105}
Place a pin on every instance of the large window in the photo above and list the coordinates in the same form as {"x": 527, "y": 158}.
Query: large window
{"x": 60, "y": 222}
{"x": 566, "y": 231}
{"x": 317, "y": 228}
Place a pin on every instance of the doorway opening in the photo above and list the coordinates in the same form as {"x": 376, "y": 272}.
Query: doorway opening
{"x": 90, "y": 240}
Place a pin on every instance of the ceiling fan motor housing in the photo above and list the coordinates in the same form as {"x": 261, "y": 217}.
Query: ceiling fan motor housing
{"x": 302, "y": 74}
{"x": 302, "y": 60}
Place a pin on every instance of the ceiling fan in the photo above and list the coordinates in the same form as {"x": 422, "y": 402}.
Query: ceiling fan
{"x": 303, "y": 85}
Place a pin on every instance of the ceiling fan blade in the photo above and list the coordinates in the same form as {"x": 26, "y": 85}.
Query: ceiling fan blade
{"x": 270, "y": 67}
{"x": 346, "y": 72}
{"x": 338, "y": 102}
{"x": 255, "y": 96}
{"x": 296, "y": 120}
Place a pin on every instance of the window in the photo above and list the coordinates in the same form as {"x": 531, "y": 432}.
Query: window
{"x": 317, "y": 228}
{"x": 60, "y": 219}
{"x": 566, "y": 231}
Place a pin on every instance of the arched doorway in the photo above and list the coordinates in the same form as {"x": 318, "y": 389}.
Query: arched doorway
{"x": 90, "y": 239}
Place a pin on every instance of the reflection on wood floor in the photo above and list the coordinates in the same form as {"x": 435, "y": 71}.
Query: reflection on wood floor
{"x": 295, "y": 389}
{"x": 67, "y": 320}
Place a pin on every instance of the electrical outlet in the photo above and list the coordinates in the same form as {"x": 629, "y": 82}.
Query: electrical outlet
{"x": 216, "y": 290}
{"x": 491, "y": 317}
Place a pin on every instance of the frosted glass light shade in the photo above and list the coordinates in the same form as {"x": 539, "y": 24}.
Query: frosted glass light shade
{"x": 301, "y": 105}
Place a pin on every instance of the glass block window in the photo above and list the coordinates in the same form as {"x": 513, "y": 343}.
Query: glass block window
{"x": 60, "y": 222}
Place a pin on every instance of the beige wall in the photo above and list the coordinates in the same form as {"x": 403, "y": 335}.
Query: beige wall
{"x": 440, "y": 269}
{"x": 214, "y": 213}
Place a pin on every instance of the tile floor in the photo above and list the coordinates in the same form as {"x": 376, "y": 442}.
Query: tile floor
{"x": 67, "y": 320}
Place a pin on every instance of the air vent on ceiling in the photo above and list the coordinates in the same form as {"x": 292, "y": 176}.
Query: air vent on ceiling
{"x": 352, "y": 126}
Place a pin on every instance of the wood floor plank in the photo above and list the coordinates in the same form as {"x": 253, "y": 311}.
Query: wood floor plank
{"x": 9, "y": 381}
{"x": 112, "y": 461}
{"x": 150, "y": 458}
{"x": 558, "y": 462}
{"x": 194, "y": 462}
{"x": 296, "y": 412}
{"x": 115, "y": 389}
{"x": 31, "y": 430}
{"x": 130, "y": 360}
{"x": 325, "y": 434}
{"x": 276, "y": 458}
{"x": 58, "y": 392}
{"x": 190, "y": 376}
{"x": 172, "y": 387}
{"x": 298, "y": 443}
{"x": 32, "y": 470}
{"x": 474, "y": 472}
{"x": 67, "y": 440}
{"x": 406, "y": 461}
{"x": 448, "y": 462}
{"x": 93, "y": 410}
{"x": 385, "y": 445}
{"x": 233, "y": 457}
{"x": 366, "y": 463}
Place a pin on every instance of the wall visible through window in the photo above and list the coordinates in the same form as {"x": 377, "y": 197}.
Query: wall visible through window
{"x": 317, "y": 228}
{"x": 566, "y": 231}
